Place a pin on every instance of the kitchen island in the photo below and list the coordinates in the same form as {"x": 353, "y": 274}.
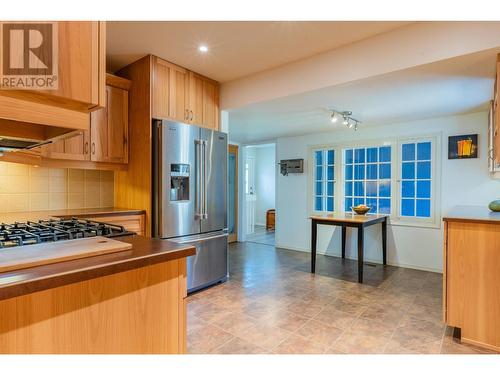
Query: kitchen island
{"x": 131, "y": 301}
{"x": 471, "y": 280}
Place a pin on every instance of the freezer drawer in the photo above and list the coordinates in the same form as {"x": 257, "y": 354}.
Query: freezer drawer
{"x": 209, "y": 265}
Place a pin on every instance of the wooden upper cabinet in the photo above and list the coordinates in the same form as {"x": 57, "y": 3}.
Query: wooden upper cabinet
{"x": 170, "y": 89}
{"x": 178, "y": 85}
{"x": 161, "y": 89}
{"x": 184, "y": 96}
{"x": 109, "y": 126}
{"x": 211, "y": 105}
{"x": 195, "y": 99}
{"x": 73, "y": 148}
{"x": 81, "y": 69}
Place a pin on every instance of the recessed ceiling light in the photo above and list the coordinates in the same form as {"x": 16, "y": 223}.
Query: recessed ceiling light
{"x": 203, "y": 48}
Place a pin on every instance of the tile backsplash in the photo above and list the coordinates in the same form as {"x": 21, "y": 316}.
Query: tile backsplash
{"x": 28, "y": 188}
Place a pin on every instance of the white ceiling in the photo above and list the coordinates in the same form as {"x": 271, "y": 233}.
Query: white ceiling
{"x": 236, "y": 49}
{"x": 448, "y": 87}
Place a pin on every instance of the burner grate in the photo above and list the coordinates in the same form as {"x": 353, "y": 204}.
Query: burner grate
{"x": 32, "y": 232}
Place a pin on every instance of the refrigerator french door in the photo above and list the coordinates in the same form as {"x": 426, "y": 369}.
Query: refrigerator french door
{"x": 190, "y": 186}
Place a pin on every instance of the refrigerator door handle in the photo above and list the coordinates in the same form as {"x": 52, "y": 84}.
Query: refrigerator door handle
{"x": 198, "y": 184}
{"x": 205, "y": 198}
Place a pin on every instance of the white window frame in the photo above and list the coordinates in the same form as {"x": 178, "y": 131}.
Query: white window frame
{"x": 396, "y": 143}
{"x": 434, "y": 221}
{"x": 311, "y": 193}
{"x": 375, "y": 144}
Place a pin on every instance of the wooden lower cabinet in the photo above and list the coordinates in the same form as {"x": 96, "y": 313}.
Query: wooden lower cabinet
{"x": 141, "y": 311}
{"x": 472, "y": 281}
{"x": 133, "y": 223}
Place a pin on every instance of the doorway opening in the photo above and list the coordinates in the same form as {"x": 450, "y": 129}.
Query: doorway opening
{"x": 259, "y": 177}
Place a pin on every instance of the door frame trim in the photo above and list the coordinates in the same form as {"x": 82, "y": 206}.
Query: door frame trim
{"x": 233, "y": 237}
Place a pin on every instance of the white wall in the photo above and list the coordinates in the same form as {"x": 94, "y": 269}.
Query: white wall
{"x": 265, "y": 176}
{"x": 463, "y": 182}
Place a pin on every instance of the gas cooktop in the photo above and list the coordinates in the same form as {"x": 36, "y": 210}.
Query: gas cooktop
{"x": 32, "y": 232}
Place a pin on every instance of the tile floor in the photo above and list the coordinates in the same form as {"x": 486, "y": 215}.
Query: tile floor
{"x": 262, "y": 236}
{"x": 272, "y": 304}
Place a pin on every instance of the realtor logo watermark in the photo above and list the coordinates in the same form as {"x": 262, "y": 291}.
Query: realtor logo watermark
{"x": 28, "y": 56}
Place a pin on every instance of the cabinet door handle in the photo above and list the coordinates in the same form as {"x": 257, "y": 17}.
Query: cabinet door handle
{"x": 86, "y": 150}
{"x": 187, "y": 114}
{"x": 191, "y": 115}
{"x": 93, "y": 148}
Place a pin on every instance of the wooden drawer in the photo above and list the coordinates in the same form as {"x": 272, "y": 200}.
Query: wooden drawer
{"x": 133, "y": 223}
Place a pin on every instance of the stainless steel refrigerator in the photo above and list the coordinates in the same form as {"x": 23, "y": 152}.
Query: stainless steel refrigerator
{"x": 190, "y": 184}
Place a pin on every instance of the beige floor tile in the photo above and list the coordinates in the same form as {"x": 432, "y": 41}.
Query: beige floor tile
{"x": 369, "y": 327}
{"x": 335, "y": 318}
{"x": 264, "y": 335}
{"x": 207, "y": 338}
{"x": 350, "y": 307}
{"x": 307, "y": 309}
{"x": 358, "y": 343}
{"x": 285, "y": 320}
{"x": 299, "y": 345}
{"x": 383, "y": 314}
{"x": 433, "y": 347}
{"x": 319, "y": 332}
{"x": 239, "y": 346}
{"x": 235, "y": 323}
{"x": 210, "y": 312}
{"x": 194, "y": 323}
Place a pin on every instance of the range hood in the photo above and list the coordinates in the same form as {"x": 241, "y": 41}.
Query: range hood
{"x": 26, "y": 125}
{"x": 16, "y": 136}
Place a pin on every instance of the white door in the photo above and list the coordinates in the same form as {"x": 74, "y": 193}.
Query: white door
{"x": 250, "y": 193}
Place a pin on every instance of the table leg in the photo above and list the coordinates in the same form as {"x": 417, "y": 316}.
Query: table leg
{"x": 314, "y": 234}
{"x": 360, "y": 253}
{"x": 343, "y": 241}
{"x": 384, "y": 241}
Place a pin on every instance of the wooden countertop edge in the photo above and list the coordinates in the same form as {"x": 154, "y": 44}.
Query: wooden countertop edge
{"x": 470, "y": 220}
{"x": 98, "y": 266}
{"x": 103, "y": 213}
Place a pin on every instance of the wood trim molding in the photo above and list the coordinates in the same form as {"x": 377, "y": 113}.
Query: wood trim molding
{"x": 118, "y": 82}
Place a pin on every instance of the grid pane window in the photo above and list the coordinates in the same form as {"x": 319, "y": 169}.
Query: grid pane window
{"x": 367, "y": 173}
{"x": 324, "y": 180}
{"x": 416, "y": 179}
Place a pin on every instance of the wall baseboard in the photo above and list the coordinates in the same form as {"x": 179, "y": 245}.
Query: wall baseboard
{"x": 377, "y": 261}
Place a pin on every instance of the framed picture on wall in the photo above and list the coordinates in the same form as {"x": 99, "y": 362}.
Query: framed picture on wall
{"x": 462, "y": 146}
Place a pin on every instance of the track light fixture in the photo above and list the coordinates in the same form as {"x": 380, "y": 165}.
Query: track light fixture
{"x": 347, "y": 120}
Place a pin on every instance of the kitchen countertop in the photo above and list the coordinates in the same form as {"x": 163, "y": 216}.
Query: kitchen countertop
{"x": 477, "y": 214}
{"x": 145, "y": 251}
{"x": 11, "y": 217}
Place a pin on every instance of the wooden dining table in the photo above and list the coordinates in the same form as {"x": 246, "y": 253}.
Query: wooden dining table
{"x": 348, "y": 220}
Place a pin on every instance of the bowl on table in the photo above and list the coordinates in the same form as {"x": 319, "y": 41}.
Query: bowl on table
{"x": 360, "y": 209}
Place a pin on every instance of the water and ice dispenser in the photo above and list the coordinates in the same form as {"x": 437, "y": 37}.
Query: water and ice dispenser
{"x": 179, "y": 182}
